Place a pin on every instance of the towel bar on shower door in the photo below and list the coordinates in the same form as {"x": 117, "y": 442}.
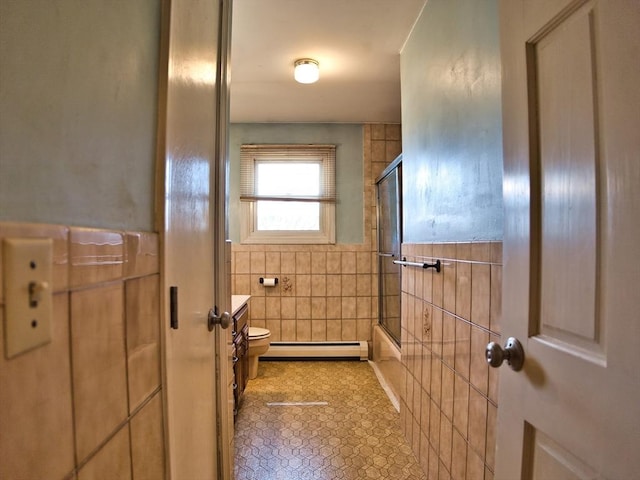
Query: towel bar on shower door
{"x": 405, "y": 263}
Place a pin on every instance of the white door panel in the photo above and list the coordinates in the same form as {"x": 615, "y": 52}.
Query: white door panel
{"x": 193, "y": 239}
{"x": 572, "y": 274}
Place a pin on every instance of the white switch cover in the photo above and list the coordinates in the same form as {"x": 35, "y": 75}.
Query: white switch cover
{"x": 27, "y": 272}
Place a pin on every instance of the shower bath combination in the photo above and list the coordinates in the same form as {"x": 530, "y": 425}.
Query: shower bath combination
{"x": 389, "y": 215}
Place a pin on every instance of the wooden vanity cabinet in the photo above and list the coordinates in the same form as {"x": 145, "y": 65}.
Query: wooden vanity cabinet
{"x": 241, "y": 358}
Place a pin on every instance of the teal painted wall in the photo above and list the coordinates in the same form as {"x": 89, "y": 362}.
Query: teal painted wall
{"x": 349, "y": 168}
{"x": 78, "y": 110}
{"x": 452, "y": 124}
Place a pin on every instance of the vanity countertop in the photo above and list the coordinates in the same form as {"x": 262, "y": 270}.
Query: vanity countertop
{"x": 237, "y": 301}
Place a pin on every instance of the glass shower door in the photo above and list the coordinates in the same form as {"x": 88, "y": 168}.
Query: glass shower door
{"x": 389, "y": 241}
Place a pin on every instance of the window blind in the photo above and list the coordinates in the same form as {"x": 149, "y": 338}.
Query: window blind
{"x": 325, "y": 155}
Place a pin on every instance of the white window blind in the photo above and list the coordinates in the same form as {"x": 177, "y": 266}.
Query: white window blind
{"x": 300, "y": 173}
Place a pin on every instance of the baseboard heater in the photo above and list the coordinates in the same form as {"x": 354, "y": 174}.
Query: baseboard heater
{"x": 317, "y": 351}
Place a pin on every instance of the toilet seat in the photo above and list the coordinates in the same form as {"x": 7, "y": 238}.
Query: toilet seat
{"x": 256, "y": 333}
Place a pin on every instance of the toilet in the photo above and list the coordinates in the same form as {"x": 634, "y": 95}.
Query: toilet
{"x": 258, "y": 345}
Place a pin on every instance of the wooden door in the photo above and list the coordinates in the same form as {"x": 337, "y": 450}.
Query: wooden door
{"x": 571, "y": 115}
{"x": 191, "y": 189}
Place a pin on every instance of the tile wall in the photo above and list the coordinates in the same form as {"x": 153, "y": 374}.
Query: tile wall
{"x": 449, "y": 404}
{"x": 325, "y": 292}
{"x": 88, "y": 405}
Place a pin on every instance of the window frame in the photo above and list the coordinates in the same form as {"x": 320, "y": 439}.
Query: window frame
{"x": 325, "y": 155}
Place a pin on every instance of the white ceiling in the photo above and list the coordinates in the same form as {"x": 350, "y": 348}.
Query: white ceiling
{"x": 357, "y": 43}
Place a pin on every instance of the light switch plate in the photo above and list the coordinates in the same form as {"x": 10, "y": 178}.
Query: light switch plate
{"x": 27, "y": 272}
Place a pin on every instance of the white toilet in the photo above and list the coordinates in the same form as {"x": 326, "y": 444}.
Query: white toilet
{"x": 258, "y": 344}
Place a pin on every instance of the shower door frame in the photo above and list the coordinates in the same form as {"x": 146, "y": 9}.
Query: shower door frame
{"x": 396, "y": 165}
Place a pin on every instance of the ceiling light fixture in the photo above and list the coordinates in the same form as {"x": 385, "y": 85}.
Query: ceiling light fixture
{"x": 306, "y": 70}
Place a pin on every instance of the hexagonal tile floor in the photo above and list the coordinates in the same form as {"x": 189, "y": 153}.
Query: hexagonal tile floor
{"x": 326, "y": 420}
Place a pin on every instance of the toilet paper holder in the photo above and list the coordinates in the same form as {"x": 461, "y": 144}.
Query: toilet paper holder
{"x": 275, "y": 281}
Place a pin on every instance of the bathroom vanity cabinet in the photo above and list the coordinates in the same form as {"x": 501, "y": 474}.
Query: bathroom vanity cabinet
{"x": 240, "y": 333}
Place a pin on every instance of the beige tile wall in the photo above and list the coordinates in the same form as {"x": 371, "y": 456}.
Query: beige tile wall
{"x": 88, "y": 404}
{"x": 449, "y": 404}
{"x": 325, "y": 292}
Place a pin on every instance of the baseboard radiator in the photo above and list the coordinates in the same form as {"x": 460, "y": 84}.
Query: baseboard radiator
{"x": 317, "y": 351}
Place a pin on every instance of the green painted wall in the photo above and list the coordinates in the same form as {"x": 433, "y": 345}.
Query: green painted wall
{"x": 78, "y": 109}
{"x": 349, "y": 168}
{"x": 452, "y": 124}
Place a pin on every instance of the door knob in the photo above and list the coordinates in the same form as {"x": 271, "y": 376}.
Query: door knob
{"x": 513, "y": 353}
{"x": 214, "y": 319}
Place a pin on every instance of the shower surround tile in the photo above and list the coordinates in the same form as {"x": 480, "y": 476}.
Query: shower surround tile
{"x": 463, "y": 302}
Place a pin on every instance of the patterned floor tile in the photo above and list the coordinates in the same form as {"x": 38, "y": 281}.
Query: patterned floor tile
{"x": 325, "y": 420}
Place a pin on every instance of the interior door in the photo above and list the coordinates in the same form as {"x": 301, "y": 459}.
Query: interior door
{"x": 191, "y": 139}
{"x": 222, "y": 249}
{"x": 571, "y": 115}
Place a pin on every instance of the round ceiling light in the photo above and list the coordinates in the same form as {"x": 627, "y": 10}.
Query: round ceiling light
{"x": 306, "y": 70}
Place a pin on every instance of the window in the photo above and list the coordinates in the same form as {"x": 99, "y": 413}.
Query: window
{"x": 287, "y": 193}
